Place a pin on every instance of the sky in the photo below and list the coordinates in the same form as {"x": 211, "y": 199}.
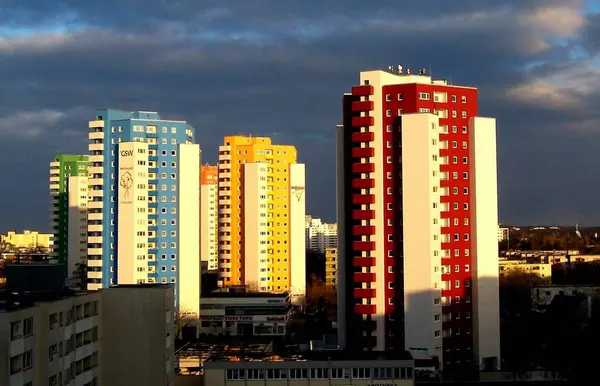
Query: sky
{"x": 279, "y": 69}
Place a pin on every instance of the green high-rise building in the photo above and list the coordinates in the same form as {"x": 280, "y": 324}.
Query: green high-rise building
{"x": 69, "y": 192}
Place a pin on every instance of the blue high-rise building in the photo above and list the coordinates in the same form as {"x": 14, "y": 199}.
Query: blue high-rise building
{"x": 144, "y": 188}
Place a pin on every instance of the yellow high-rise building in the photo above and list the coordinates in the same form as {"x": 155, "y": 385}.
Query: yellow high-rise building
{"x": 261, "y": 215}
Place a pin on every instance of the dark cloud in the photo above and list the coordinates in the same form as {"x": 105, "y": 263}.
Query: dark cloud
{"x": 271, "y": 68}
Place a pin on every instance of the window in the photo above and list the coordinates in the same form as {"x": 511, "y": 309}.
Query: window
{"x": 454, "y": 159}
{"x": 465, "y": 190}
{"x": 400, "y": 111}
{"x": 464, "y": 114}
{"x": 467, "y": 268}
{"x": 464, "y": 99}
{"x": 467, "y": 283}
{"x": 28, "y": 327}
{"x": 457, "y": 268}
{"x": 465, "y": 175}
{"x": 464, "y": 129}
{"x": 388, "y": 128}
{"x": 455, "y": 190}
{"x": 436, "y": 317}
{"x": 454, "y": 144}
{"x": 437, "y": 333}
{"x": 465, "y": 160}
{"x": 388, "y": 97}
{"x": 454, "y": 114}
{"x": 466, "y": 252}
{"x": 388, "y": 113}
{"x": 27, "y": 359}
{"x": 456, "y": 237}
{"x": 465, "y": 221}
{"x": 400, "y": 96}
{"x": 424, "y": 96}
{"x": 466, "y": 206}
{"x": 454, "y": 129}
{"x": 457, "y": 284}
{"x": 466, "y": 237}
{"x": 453, "y": 98}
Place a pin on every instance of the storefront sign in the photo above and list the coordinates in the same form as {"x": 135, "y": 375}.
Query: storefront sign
{"x": 237, "y": 318}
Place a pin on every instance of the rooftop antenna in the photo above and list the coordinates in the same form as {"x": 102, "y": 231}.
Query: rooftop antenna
{"x": 408, "y": 71}
{"x": 391, "y": 68}
{"x": 399, "y": 69}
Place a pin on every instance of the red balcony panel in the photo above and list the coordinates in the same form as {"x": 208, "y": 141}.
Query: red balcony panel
{"x": 363, "y": 199}
{"x": 363, "y": 183}
{"x": 364, "y": 277}
{"x": 362, "y": 121}
{"x": 364, "y": 293}
{"x": 362, "y": 309}
{"x": 363, "y": 261}
{"x": 365, "y": 136}
{"x": 365, "y": 90}
{"x": 363, "y": 245}
{"x": 363, "y": 152}
{"x": 363, "y": 214}
{"x": 363, "y": 168}
{"x": 362, "y": 106}
{"x": 363, "y": 230}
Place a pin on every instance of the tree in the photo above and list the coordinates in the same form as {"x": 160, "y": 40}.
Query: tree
{"x": 183, "y": 319}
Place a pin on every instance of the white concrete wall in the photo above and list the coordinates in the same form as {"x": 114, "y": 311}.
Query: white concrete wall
{"x": 484, "y": 210}
{"x": 209, "y": 225}
{"x": 422, "y": 233}
{"x": 188, "y": 228}
{"x": 132, "y": 188}
{"x": 77, "y": 220}
{"x": 256, "y": 262}
{"x": 297, "y": 249}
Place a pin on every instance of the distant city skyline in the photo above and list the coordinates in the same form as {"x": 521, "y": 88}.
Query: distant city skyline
{"x": 276, "y": 71}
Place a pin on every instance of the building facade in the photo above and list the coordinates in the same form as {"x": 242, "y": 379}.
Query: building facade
{"x": 502, "y": 234}
{"x": 417, "y": 207}
{"x": 209, "y": 252}
{"x": 27, "y": 239}
{"x": 79, "y": 339}
{"x": 319, "y": 235}
{"x": 317, "y": 369}
{"x": 69, "y": 195}
{"x": 261, "y": 215}
{"x": 247, "y": 314}
{"x": 144, "y": 208}
{"x": 331, "y": 268}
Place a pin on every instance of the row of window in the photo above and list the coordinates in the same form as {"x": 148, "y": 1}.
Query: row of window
{"x": 336, "y": 373}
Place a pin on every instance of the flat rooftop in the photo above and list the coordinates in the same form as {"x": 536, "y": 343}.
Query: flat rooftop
{"x": 14, "y": 302}
{"x": 328, "y": 355}
{"x": 241, "y": 294}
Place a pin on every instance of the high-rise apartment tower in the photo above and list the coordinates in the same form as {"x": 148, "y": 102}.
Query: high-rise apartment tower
{"x": 69, "y": 195}
{"x": 261, "y": 215}
{"x": 209, "y": 253}
{"x": 417, "y": 218}
{"x": 144, "y": 209}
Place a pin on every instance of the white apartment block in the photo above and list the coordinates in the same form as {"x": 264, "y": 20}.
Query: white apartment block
{"x": 209, "y": 251}
{"x": 319, "y": 235}
{"x": 502, "y": 233}
{"x": 89, "y": 338}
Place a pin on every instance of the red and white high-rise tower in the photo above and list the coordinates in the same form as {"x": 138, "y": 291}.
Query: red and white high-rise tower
{"x": 417, "y": 220}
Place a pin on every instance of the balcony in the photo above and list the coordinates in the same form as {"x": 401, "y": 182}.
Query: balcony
{"x": 365, "y": 136}
{"x": 363, "y": 152}
{"x": 224, "y": 157}
{"x": 364, "y": 277}
{"x": 363, "y": 199}
{"x": 361, "y": 214}
{"x": 359, "y": 106}
{"x": 94, "y": 263}
{"x": 365, "y": 90}
{"x": 363, "y": 168}
{"x": 363, "y": 261}
{"x": 363, "y": 230}
{"x": 96, "y": 135}
{"x": 96, "y": 124}
{"x": 362, "y": 121}
{"x": 365, "y": 309}
{"x": 363, "y": 245}
{"x": 363, "y": 183}
{"x": 96, "y": 147}
{"x": 364, "y": 293}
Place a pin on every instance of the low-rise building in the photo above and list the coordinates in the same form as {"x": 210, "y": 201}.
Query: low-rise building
{"x": 331, "y": 268}
{"x": 313, "y": 368}
{"x": 506, "y": 267}
{"x": 122, "y": 335}
{"x": 28, "y": 239}
{"x": 238, "y": 312}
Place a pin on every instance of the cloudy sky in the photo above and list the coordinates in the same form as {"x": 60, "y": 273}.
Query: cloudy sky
{"x": 279, "y": 68}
